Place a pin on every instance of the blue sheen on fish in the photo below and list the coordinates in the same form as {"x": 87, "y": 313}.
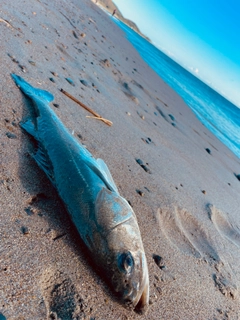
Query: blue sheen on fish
{"x": 105, "y": 221}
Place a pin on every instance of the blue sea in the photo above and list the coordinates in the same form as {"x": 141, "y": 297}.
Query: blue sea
{"x": 218, "y": 114}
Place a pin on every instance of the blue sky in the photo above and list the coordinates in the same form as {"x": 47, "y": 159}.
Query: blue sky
{"x": 202, "y": 35}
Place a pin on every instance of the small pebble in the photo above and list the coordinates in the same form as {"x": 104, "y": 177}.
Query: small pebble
{"x": 106, "y": 63}
{"x": 128, "y": 113}
{"x": 83, "y": 35}
{"x": 32, "y": 62}
{"x": 208, "y": 150}
{"x": 75, "y": 35}
{"x": 140, "y": 193}
{"x": 84, "y": 82}
{"x": 171, "y": 117}
{"x": 204, "y": 191}
{"x": 139, "y": 161}
{"x": 54, "y": 73}
{"x": 51, "y": 79}
{"x": 158, "y": 260}
{"x": 29, "y": 211}
{"x": 56, "y": 105}
{"x": 24, "y": 230}
{"x": 22, "y": 68}
{"x": 11, "y": 135}
{"x": 70, "y": 81}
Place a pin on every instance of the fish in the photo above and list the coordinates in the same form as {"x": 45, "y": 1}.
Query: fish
{"x": 104, "y": 220}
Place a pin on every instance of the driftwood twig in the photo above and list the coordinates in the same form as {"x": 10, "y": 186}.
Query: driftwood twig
{"x": 96, "y": 115}
{"x": 5, "y": 21}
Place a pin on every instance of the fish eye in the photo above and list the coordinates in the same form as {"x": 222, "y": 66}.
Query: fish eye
{"x": 126, "y": 262}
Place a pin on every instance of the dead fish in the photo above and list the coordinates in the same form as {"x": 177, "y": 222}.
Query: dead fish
{"x": 105, "y": 221}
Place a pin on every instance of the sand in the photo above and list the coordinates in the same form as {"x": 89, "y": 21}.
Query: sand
{"x": 186, "y": 201}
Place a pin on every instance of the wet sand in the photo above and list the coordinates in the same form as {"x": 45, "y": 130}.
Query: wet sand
{"x": 186, "y": 198}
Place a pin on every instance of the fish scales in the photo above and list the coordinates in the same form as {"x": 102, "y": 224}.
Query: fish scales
{"x": 105, "y": 221}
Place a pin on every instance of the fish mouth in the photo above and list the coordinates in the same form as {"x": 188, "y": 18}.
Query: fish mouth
{"x": 141, "y": 304}
{"x": 141, "y": 301}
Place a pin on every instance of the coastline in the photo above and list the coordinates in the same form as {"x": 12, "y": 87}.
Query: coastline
{"x": 188, "y": 206}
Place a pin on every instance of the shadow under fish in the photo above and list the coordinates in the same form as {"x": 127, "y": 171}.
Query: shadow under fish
{"x": 104, "y": 220}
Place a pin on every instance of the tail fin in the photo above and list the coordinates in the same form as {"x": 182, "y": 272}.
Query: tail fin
{"x": 30, "y": 91}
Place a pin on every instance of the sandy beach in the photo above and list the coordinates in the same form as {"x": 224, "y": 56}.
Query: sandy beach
{"x": 186, "y": 198}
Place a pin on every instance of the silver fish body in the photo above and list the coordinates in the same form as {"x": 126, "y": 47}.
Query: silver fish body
{"x": 104, "y": 220}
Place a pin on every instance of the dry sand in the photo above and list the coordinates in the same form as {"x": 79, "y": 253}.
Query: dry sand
{"x": 187, "y": 202}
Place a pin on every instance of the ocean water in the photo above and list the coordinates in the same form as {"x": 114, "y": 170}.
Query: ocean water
{"x": 218, "y": 114}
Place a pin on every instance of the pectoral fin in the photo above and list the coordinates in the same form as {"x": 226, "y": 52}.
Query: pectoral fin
{"x": 29, "y": 127}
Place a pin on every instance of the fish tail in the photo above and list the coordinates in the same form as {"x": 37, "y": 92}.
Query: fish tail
{"x": 30, "y": 91}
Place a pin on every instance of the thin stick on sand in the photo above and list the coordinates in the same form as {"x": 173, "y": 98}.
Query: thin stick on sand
{"x": 7, "y": 23}
{"x": 96, "y": 115}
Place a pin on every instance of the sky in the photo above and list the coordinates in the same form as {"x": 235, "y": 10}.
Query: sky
{"x": 201, "y": 35}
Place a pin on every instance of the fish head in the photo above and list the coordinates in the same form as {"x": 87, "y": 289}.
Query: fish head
{"x": 130, "y": 279}
{"x": 123, "y": 257}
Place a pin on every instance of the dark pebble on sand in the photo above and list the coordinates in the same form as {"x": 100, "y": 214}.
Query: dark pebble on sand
{"x": 22, "y": 68}
{"x": 146, "y": 169}
{"x": 28, "y": 211}
{"x": 84, "y": 82}
{"x": 171, "y": 117}
{"x": 54, "y": 73}
{"x": 140, "y": 192}
{"x": 32, "y": 62}
{"x": 106, "y": 63}
{"x": 56, "y": 105}
{"x": 70, "y": 81}
{"x": 208, "y": 150}
{"x": 51, "y": 79}
{"x": 204, "y": 191}
{"x": 75, "y": 35}
{"x": 139, "y": 161}
{"x": 158, "y": 260}
{"x": 13, "y": 58}
{"x": 24, "y": 230}
{"x": 11, "y": 135}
